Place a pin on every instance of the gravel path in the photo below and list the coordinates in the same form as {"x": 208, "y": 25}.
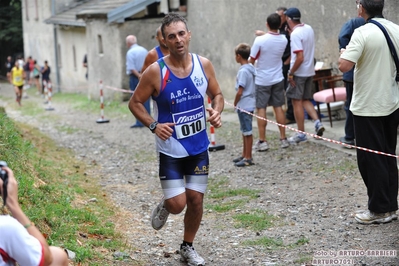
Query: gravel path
{"x": 311, "y": 190}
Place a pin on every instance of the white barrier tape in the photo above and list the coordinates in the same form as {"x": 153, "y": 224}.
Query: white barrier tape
{"x": 314, "y": 135}
{"x": 75, "y": 88}
{"x": 117, "y": 89}
{"x": 292, "y": 129}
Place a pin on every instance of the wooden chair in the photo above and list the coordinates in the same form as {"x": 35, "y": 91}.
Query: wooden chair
{"x": 330, "y": 94}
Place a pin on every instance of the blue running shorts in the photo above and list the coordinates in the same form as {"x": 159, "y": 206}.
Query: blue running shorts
{"x": 179, "y": 174}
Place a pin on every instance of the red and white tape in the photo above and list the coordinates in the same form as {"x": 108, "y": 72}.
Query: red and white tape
{"x": 213, "y": 139}
{"x": 314, "y": 135}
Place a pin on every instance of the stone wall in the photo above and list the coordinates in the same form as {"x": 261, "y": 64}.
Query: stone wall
{"x": 38, "y": 36}
{"x": 217, "y": 26}
{"x": 72, "y": 46}
{"x": 110, "y": 65}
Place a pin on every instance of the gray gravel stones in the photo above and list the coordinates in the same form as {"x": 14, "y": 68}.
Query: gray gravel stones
{"x": 312, "y": 190}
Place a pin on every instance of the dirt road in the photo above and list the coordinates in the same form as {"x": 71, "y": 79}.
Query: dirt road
{"x": 311, "y": 190}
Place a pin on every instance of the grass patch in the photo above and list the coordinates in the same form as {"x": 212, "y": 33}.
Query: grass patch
{"x": 54, "y": 191}
{"x": 258, "y": 220}
{"x": 225, "y": 200}
{"x": 221, "y": 199}
{"x": 244, "y": 192}
{"x": 81, "y": 102}
{"x": 78, "y": 101}
{"x": 218, "y": 189}
{"x": 32, "y": 109}
{"x": 67, "y": 129}
{"x": 226, "y": 206}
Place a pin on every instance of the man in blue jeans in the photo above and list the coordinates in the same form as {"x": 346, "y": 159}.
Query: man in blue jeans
{"x": 135, "y": 57}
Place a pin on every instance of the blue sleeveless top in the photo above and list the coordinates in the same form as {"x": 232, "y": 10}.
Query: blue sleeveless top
{"x": 181, "y": 101}
{"x": 159, "y": 52}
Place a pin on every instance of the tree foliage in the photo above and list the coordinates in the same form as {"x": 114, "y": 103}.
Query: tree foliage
{"x": 11, "y": 37}
{"x": 11, "y": 22}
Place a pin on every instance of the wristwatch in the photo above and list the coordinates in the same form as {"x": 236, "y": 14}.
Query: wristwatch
{"x": 152, "y": 126}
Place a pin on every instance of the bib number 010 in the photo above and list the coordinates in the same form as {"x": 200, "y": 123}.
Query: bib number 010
{"x": 191, "y": 129}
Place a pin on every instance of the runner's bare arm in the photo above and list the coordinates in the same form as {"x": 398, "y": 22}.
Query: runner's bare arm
{"x": 149, "y": 85}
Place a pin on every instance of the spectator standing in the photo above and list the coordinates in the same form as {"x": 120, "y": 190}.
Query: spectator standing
{"x": 27, "y": 67}
{"x": 178, "y": 84}
{"x": 300, "y": 76}
{"x": 31, "y": 67}
{"x": 135, "y": 57}
{"x": 245, "y": 102}
{"x": 375, "y": 108}
{"x": 289, "y": 113}
{"x": 36, "y": 76}
{"x": 9, "y": 65}
{"x": 343, "y": 40}
{"x": 21, "y": 62}
{"x": 46, "y": 71}
{"x": 17, "y": 77}
{"x": 21, "y": 242}
{"x": 268, "y": 50}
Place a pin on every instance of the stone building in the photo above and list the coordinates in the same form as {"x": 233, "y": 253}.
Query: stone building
{"x": 63, "y": 31}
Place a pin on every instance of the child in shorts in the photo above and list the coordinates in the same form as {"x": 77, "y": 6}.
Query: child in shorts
{"x": 244, "y": 102}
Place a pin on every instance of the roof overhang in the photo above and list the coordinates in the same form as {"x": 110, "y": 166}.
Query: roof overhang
{"x": 127, "y": 10}
{"x": 114, "y": 11}
{"x": 67, "y": 17}
{"x": 65, "y": 22}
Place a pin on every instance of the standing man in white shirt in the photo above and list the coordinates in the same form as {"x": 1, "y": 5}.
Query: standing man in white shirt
{"x": 268, "y": 50}
{"x": 300, "y": 76}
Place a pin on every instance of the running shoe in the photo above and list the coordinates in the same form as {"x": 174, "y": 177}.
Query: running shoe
{"x": 159, "y": 216}
{"x": 189, "y": 255}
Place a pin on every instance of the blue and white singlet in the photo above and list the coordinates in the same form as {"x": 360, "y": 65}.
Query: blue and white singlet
{"x": 181, "y": 101}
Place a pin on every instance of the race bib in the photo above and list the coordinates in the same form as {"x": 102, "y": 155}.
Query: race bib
{"x": 189, "y": 123}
